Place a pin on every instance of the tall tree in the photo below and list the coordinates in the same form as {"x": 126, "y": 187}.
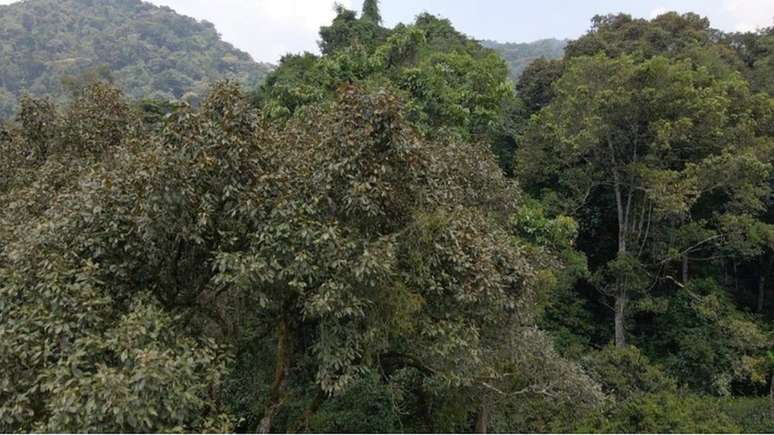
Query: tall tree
{"x": 371, "y": 11}
{"x": 644, "y": 142}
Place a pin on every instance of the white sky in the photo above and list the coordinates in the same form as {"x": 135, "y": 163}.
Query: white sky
{"x": 267, "y": 29}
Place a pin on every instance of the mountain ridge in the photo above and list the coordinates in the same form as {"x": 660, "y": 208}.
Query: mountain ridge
{"x": 149, "y": 51}
{"x": 519, "y": 55}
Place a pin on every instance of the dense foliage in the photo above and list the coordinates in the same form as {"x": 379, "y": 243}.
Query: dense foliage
{"x": 393, "y": 237}
{"x": 150, "y": 52}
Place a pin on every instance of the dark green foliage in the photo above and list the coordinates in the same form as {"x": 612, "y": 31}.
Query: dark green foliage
{"x": 371, "y": 11}
{"x": 615, "y": 35}
{"x": 53, "y": 47}
{"x": 348, "y": 30}
{"x": 751, "y": 414}
{"x": 709, "y": 345}
{"x": 535, "y": 85}
{"x": 756, "y": 51}
{"x": 626, "y": 373}
{"x": 689, "y": 272}
{"x": 369, "y": 406}
{"x": 331, "y": 249}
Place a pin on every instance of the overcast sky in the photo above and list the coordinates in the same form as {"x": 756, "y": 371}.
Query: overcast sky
{"x": 267, "y": 29}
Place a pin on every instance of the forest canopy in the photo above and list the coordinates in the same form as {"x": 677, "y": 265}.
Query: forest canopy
{"x": 393, "y": 236}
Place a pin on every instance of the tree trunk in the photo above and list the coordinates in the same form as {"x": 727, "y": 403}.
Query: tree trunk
{"x": 482, "y": 419}
{"x": 736, "y": 278}
{"x": 761, "y": 292}
{"x": 620, "y": 295}
{"x": 685, "y": 269}
{"x": 300, "y": 424}
{"x": 766, "y": 265}
{"x": 280, "y": 369}
{"x": 620, "y": 311}
{"x": 771, "y": 389}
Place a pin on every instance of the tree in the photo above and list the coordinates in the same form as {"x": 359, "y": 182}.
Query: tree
{"x": 83, "y": 349}
{"x": 333, "y": 246}
{"x": 668, "y": 34}
{"x": 756, "y": 51}
{"x": 641, "y": 141}
{"x": 347, "y": 30}
{"x": 535, "y": 85}
{"x": 371, "y": 12}
{"x": 452, "y": 85}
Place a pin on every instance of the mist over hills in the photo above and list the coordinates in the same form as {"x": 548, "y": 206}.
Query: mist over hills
{"x": 520, "y": 55}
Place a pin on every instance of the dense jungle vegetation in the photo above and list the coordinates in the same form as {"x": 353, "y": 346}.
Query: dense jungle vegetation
{"x": 392, "y": 236}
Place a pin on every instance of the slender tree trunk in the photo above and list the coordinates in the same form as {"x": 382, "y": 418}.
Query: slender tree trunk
{"x": 482, "y": 419}
{"x": 726, "y": 276}
{"x": 623, "y": 209}
{"x": 620, "y": 294}
{"x": 424, "y": 405}
{"x": 736, "y": 278}
{"x": 766, "y": 266}
{"x": 280, "y": 370}
{"x": 761, "y": 292}
{"x": 685, "y": 269}
{"x": 771, "y": 388}
{"x": 300, "y": 424}
{"x": 620, "y": 318}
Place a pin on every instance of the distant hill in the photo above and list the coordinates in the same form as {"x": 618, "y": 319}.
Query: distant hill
{"x": 149, "y": 51}
{"x": 519, "y": 55}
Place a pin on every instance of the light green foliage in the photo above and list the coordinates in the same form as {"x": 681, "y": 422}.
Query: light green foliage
{"x": 451, "y": 84}
{"x": 671, "y": 112}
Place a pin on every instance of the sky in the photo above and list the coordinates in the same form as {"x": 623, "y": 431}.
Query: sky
{"x": 267, "y": 29}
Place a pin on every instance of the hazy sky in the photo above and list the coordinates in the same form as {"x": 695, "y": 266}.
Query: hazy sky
{"x": 269, "y": 28}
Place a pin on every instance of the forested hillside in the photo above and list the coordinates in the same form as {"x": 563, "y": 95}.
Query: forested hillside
{"x": 392, "y": 236}
{"x": 150, "y": 52}
{"x": 520, "y": 55}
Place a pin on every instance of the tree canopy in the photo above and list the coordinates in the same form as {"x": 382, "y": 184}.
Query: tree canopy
{"x": 393, "y": 236}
